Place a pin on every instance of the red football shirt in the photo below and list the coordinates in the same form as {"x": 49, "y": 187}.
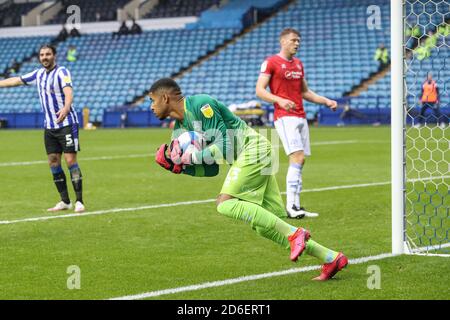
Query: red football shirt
{"x": 286, "y": 82}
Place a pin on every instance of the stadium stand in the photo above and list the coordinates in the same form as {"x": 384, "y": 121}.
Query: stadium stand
{"x": 378, "y": 95}
{"x": 343, "y": 47}
{"x": 236, "y": 14}
{"x": 106, "y": 9}
{"x": 436, "y": 64}
{"x": 112, "y": 72}
{"x": 337, "y": 56}
{"x": 11, "y": 12}
{"x": 180, "y": 8}
{"x": 427, "y": 16}
{"x": 19, "y": 48}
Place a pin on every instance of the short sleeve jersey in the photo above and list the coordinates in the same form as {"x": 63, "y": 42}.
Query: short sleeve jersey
{"x": 286, "y": 82}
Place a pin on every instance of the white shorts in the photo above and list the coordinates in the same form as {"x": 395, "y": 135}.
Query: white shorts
{"x": 294, "y": 134}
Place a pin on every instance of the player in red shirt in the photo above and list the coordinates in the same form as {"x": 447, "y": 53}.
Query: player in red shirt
{"x": 285, "y": 76}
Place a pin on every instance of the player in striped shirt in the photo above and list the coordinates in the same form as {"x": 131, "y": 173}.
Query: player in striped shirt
{"x": 54, "y": 86}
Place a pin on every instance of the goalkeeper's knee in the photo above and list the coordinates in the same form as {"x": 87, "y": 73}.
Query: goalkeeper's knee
{"x": 225, "y": 206}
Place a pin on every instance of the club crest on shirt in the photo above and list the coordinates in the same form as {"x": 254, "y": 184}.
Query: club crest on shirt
{"x": 207, "y": 111}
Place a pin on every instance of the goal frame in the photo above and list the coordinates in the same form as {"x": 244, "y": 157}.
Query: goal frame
{"x": 398, "y": 173}
{"x": 400, "y": 243}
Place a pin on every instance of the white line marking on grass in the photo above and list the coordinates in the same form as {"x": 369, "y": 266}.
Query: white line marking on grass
{"x": 326, "y": 143}
{"x": 184, "y": 203}
{"x": 29, "y": 163}
{"x": 227, "y": 282}
{"x": 164, "y": 205}
{"x": 100, "y": 212}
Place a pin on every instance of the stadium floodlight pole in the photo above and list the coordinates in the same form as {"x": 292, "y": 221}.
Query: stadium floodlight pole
{"x": 397, "y": 133}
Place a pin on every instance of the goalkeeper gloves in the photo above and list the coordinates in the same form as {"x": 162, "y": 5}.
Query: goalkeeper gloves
{"x": 179, "y": 157}
{"x": 166, "y": 162}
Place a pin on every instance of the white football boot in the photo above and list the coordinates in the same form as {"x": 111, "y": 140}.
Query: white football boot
{"x": 60, "y": 206}
{"x": 299, "y": 213}
{"x": 79, "y": 207}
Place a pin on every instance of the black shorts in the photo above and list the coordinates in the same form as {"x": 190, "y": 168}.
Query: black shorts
{"x": 62, "y": 140}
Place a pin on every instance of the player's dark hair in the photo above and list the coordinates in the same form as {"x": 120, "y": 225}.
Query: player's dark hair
{"x": 289, "y": 31}
{"x": 167, "y": 84}
{"x": 48, "y": 46}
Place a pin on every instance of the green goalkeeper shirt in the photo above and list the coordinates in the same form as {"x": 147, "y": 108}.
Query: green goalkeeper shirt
{"x": 225, "y": 133}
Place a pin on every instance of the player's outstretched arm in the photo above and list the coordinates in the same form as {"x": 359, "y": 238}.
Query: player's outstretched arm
{"x": 11, "y": 82}
{"x": 313, "y": 97}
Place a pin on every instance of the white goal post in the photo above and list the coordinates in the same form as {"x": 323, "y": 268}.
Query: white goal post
{"x": 397, "y": 135}
{"x": 420, "y": 156}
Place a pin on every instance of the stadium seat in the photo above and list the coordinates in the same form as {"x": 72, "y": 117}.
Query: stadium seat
{"x": 342, "y": 46}
{"x": 109, "y": 72}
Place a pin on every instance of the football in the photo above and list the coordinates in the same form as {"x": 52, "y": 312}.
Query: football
{"x": 191, "y": 139}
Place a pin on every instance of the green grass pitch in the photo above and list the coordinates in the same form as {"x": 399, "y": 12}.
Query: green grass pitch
{"x": 139, "y": 250}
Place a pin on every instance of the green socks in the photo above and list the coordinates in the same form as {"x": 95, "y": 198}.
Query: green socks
{"x": 271, "y": 227}
{"x": 320, "y": 252}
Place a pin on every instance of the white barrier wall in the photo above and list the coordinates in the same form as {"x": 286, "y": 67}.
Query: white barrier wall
{"x": 97, "y": 27}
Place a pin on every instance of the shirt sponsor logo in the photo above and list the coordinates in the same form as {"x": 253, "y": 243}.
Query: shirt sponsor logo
{"x": 207, "y": 111}
{"x": 293, "y": 75}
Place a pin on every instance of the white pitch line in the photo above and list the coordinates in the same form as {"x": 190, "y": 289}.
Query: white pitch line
{"x": 326, "y": 143}
{"x": 29, "y": 163}
{"x": 100, "y": 212}
{"x": 184, "y": 203}
{"x": 163, "y": 205}
{"x": 227, "y": 282}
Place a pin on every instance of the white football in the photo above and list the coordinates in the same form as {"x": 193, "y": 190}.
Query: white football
{"x": 191, "y": 139}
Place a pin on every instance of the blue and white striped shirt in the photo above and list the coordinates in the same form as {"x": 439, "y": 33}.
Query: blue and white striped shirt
{"x": 50, "y": 89}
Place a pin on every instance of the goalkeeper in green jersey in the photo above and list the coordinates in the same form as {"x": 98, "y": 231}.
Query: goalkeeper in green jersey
{"x": 250, "y": 191}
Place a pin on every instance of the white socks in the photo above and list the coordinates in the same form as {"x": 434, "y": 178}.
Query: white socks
{"x": 293, "y": 185}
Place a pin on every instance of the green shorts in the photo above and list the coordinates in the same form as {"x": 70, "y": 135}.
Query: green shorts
{"x": 251, "y": 177}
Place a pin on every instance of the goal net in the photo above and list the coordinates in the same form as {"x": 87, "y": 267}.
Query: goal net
{"x": 426, "y": 131}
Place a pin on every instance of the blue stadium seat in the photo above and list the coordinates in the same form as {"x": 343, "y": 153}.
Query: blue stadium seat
{"x": 112, "y": 72}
